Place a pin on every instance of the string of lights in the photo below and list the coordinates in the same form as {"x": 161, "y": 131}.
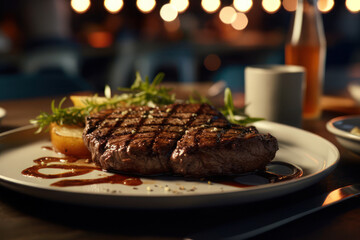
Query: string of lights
{"x": 211, "y": 6}
{"x": 233, "y": 14}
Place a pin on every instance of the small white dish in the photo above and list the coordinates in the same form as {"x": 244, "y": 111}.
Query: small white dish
{"x": 341, "y": 127}
{"x": 354, "y": 90}
{"x": 2, "y": 113}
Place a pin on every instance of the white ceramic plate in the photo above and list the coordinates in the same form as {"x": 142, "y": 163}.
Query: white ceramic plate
{"x": 18, "y": 148}
{"x": 341, "y": 127}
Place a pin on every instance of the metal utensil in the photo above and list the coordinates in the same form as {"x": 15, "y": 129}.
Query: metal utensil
{"x": 258, "y": 224}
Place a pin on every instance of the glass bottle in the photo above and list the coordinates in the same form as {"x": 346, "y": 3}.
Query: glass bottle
{"x": 306, "y": 47}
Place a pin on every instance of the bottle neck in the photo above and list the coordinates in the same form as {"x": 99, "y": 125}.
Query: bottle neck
{"x": 308, "y": 5}
{"x": 312, "y": 2}
{"x": 307, "y": 27}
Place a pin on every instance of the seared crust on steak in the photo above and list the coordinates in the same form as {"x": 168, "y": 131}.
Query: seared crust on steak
{"x": 192, "y": 140}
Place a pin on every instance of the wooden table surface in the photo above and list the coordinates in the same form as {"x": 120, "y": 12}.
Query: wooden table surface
{"x": 26, "y": 217}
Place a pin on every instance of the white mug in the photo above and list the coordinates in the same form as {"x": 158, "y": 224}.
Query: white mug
{"x": 275, "y": 93}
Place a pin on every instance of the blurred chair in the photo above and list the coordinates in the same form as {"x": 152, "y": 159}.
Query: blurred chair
{"x": 123, "y": 66}
{"x": 178, "y": 56}
{"x": 51, "y": 54}
{"x": 47, "y": 38}
{"x": 50, "y": 61}
{"x": 51, "y": 58}
{"x": 232, "y": 75}
{"x": 16, "y": 86}
{"x": 49, "y": 67}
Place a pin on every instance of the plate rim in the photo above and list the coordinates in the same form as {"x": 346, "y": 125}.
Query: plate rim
{"x": 339, "y": 132}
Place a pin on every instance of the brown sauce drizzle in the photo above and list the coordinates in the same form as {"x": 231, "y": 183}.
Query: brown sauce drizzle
{"x": 114, "y": 179}
{"x": 76, "y": 167}
{"x": 271, "y": 174}
{"x": 48, "y": 148}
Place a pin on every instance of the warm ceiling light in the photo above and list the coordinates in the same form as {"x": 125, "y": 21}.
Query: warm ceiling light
{"x": 113, "y": 6}
{"x": 210, "y": 6}
{"x": 353, "y": 5}
{"x": 168, "y": 12}
{"x": 227, "y": 15}
{"x": 180, "y": 5}
{"x": 80, "y": 6}
{"x": 240, "y": 22}
{"x": 242, "y": 5}
{"x": 271, "y": 6}
{"x": 290, "y": 5}
{"x": 325, "y": 5}
{"x": 145, "y": 6}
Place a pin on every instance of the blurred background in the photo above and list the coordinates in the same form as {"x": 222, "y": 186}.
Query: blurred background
{"x": 54, "y": 47}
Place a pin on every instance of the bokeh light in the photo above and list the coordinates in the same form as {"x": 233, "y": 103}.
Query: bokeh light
{"x": 168, "y": 12}
{"x": 212, "y": 62}
{"x": 227, "y": 15}
{"x": 180, "y": 5}
{"x": 145, "y": 6}
{"x": 290, "y": 5}
{"x": 243, "y": 5}
{"x": 172, "y": 26}
{"x": 271, "y": 6}
{"x": 100, "y": 39}
{"x": 113, "y": 6}
{"x": 210, "y": 6}
{"x": 240, "y": 22}
{"x": 80, "y": 6}
{"x": 325, "y": 5}
{"x": 353, "y": 5}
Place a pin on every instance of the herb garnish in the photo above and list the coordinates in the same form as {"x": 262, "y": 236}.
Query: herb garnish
{"x": 59, "y": 115}
{"x": 236, "y": 116}
{"x": 146, "y": 93}
{"x": 198, "y": 98}
{"x": 142, "y": 93}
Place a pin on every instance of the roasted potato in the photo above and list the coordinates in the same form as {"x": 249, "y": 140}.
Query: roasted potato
{"x": 68, "y": 140}
{"x": 80, "y": 101}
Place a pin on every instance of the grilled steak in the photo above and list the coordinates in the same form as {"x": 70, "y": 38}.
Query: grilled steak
{"x": 192, "y": 140}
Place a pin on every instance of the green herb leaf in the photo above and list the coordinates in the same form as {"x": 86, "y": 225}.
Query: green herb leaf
{"x": 196, "y": 97}
{"x": 143, "y": 93}
{"x": 236, "y": 116}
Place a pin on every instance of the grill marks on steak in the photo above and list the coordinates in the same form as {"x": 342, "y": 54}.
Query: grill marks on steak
{"x": 187, "y": 139}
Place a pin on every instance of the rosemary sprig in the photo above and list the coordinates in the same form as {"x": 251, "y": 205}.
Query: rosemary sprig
{"x": 149, "y": 94}
{"x": 236, "y": 116}
{"x": 60, "y": 116}
{"x": 140, "y": 93}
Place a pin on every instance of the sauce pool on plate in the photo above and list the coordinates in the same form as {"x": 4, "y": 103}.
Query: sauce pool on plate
{"x": 72, "y": 166}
